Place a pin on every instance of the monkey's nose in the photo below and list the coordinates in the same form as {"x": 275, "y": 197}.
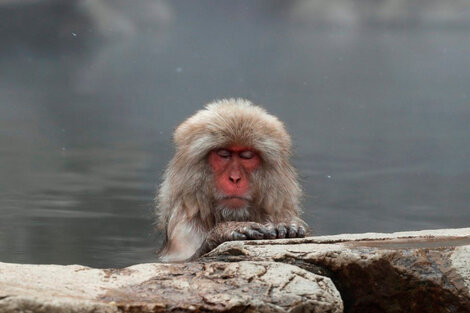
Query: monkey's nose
{"x": 235, "y": 179}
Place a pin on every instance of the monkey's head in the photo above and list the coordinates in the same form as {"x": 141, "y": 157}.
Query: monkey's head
{"x": 231, "y": 163}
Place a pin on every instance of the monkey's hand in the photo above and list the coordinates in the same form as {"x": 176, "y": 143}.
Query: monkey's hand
{"x": 230, "y": 231}
{"x": 292, "y": 229}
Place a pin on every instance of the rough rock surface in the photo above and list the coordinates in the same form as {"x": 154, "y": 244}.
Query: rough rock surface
{"x": 426, "y": 271}
{"x": 192, "y": 287}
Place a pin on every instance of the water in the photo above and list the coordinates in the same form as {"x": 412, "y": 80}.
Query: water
{"x": 377, "y": 100}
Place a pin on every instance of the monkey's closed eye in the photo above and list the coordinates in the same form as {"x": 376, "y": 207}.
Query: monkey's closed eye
{"x": 247, "y": 154}
{"x": 223, "y": 153}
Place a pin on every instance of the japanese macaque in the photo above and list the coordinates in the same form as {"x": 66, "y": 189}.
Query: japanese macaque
{"x": 230, "y": 179}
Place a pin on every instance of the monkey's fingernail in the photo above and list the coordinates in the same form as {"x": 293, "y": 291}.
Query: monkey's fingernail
{"x": 271, "y": 234}
{"x": 301, "y": 232}
{"x": 281, "y": 232}
{"x": 292, "y": 231}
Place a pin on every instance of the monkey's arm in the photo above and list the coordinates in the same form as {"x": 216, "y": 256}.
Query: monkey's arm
{"x": 183, "y": 240}
{"x": 230, "y": 231}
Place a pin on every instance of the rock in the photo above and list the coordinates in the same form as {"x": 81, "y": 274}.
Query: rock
{"x": 426, "y": 271}
{"x": 213, "y": 286}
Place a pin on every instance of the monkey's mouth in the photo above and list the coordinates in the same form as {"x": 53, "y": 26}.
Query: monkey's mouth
{"x": 234, "y": 202}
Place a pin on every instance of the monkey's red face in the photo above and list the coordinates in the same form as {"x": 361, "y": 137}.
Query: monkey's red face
{"x": 232, "y": 168}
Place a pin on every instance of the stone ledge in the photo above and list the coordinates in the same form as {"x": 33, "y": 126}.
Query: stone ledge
{"x": 425, "y": 271}
{"x": 192, "y": 287}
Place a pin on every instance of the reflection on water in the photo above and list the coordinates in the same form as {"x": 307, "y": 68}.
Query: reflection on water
{"x": 376, "y": 96}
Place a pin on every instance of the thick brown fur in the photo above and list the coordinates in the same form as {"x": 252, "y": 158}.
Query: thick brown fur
{"x": 185, "y": 201}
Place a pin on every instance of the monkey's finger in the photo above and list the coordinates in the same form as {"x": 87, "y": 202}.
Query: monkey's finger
{"x": 238, "y": 236}
{"x": 292, "y": 233}
{"x": 257, "y": 226}
{"x": 253, "y": 231}
{"x": 301, "y": 232}
{"x": 281, "y": 231}
{"x": 266, "y": 232}
{"x": 270, "y": 231}
{"x": 252, "y": 234}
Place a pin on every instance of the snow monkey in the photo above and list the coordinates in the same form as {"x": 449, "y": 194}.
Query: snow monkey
{"x": 230, "y": 179}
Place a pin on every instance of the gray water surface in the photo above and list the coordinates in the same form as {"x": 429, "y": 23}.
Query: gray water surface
{"x": 376, "y": 97}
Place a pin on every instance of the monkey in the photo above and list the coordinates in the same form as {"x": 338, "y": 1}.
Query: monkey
{"x": 230, "y": 179}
